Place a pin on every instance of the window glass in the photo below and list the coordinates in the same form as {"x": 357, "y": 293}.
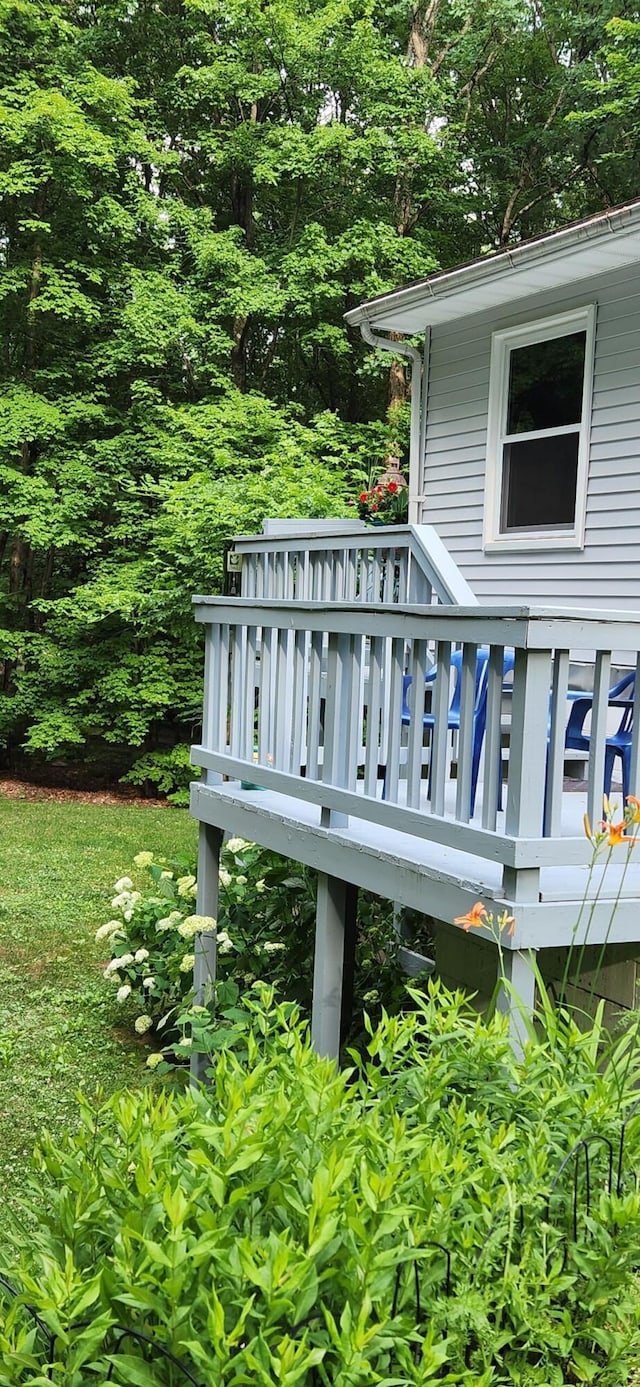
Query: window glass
{"x": 545, "y": 384}
{"x": 539, "y": 483}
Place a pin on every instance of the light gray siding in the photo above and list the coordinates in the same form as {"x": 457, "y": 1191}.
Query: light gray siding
{"x": 606, "y": 573}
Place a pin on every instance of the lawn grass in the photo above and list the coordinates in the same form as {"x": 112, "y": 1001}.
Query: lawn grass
{"x": 59, "y": 1022}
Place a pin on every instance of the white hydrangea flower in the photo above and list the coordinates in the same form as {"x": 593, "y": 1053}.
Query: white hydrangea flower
{"x": 143, "y": 859}
{"x": 185, "y": 885}
{"x": 149, "y": 983}
{"x": 111, "y": 974}
{"x": 187, "y": 963}
{"x": 260, "y": 886}
{"x": 123, "y": 993}
{"x": 241, "y": 880}
{"x": 224, "y": 943}
{"x": 187, "y": 929}
{"x": 140, "y": 955}
{"x": 111, "y": 928}
{"x": 225, "y": 876}
{"x": 154, "y": 1060}
{"x": 166, "y": 876}
{"x": 142, "y": 1024}
{"x": 123, "y": 961}
{"x": 111, "y": 968}
{"x": 126, "y": 900}
{"x": 195, "y": 924}
{"x": 124, "y": 884}
{"x": 185, "y": 1043}
{"x": 169, "y": 920}
{"x": 273, "y": 946}
{"x": 236, "y": 845}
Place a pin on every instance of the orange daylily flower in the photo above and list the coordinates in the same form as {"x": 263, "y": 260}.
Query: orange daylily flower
{"x": 616, "y": 834}
{"x": 507, "y": 922}
{"x": 633, "y": 814}
{"x": 476, "y": 916}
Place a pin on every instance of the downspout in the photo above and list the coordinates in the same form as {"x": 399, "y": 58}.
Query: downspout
{"x": 413, "y": 355}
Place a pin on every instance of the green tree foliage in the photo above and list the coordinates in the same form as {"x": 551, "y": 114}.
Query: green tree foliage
{"x": 610, "y": 113}
{"x": 191, "y": 196}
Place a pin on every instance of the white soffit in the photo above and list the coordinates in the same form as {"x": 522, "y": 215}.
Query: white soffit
{"x": 578, "y": 252}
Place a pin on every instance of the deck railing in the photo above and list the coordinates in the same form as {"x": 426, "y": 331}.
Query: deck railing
{"x": 392, "y": 564}
{"x": 305, "y": 699}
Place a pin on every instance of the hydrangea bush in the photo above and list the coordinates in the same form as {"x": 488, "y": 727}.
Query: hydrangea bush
{"x": 265, "y": 930}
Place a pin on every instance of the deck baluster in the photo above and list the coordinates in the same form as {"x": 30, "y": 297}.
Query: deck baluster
{"x": 439, "y": 751}
{"x": 419, "y": 663}
{"x": 469, "y": 687}
{"x": 598, "y": 735}
{"x": 338, "y": 719}
{"x": 314, "y": 724}
{"x": 634, "y": 767}
{"x": 248, "y": 693}
{"x": 557, "y": 731}
{"x": 492, "y": 771}
{"x": 373, "y": 697}
{"x": 392, "y": 699}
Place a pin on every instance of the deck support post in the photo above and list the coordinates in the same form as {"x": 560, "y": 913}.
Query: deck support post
{"x": 517, "y": 1000}
{"x": 333, "y": 963}
{"x": 204, "y": 967}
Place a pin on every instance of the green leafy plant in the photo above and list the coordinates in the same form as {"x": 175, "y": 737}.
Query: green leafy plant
{"x": 404, "y": 1221}
{"x": 167, "y": 772}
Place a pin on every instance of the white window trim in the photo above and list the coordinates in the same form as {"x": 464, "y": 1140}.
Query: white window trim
{"x": 502, "y": 344}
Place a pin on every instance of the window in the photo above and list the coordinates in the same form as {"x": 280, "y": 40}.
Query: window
{"x": 538, "y": 433}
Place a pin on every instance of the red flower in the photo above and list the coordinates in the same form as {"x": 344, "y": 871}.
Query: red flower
{"x": 373, "y": 506}
{"x": 363, "y": 497}
{"x": 392, "y": 487}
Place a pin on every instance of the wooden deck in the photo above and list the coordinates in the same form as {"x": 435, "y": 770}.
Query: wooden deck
{"x": 304, "y": 686}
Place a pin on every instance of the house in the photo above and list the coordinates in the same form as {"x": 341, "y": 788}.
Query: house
{"x": 525, "y": 414}
{"x": 525, "y": 448}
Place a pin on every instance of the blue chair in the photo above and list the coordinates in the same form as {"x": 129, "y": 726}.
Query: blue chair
{"x": 453, "y": 716}
{"x": 619, "y": 742}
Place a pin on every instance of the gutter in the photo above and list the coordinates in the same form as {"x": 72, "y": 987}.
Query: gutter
{"x": 418, "y": 380}
{"x": 620, "y": 219}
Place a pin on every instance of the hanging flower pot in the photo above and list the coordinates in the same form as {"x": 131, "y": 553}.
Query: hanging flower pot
{"x": 387, "y": 502}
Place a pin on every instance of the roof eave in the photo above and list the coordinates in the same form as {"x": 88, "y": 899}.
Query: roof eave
{"x": 451, "y": 282}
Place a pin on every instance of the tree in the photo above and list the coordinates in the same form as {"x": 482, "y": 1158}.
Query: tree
{"x": 191, "y": 196}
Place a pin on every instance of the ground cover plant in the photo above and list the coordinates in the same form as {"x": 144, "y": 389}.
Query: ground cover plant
{"x": 60, "y": 1029}
{"x": 406, "y": 1220}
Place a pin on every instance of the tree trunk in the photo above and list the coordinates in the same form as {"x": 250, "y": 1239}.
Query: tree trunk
{"x": 238, "y": 352}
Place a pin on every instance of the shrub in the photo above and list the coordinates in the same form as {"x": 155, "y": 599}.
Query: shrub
{"x": 266, "y": 927}
{"x": 392, "y": 1224}
{"x": 168, "y": 772}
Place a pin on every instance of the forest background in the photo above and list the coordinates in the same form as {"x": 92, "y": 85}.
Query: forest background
{"x": 191, "y": 196}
